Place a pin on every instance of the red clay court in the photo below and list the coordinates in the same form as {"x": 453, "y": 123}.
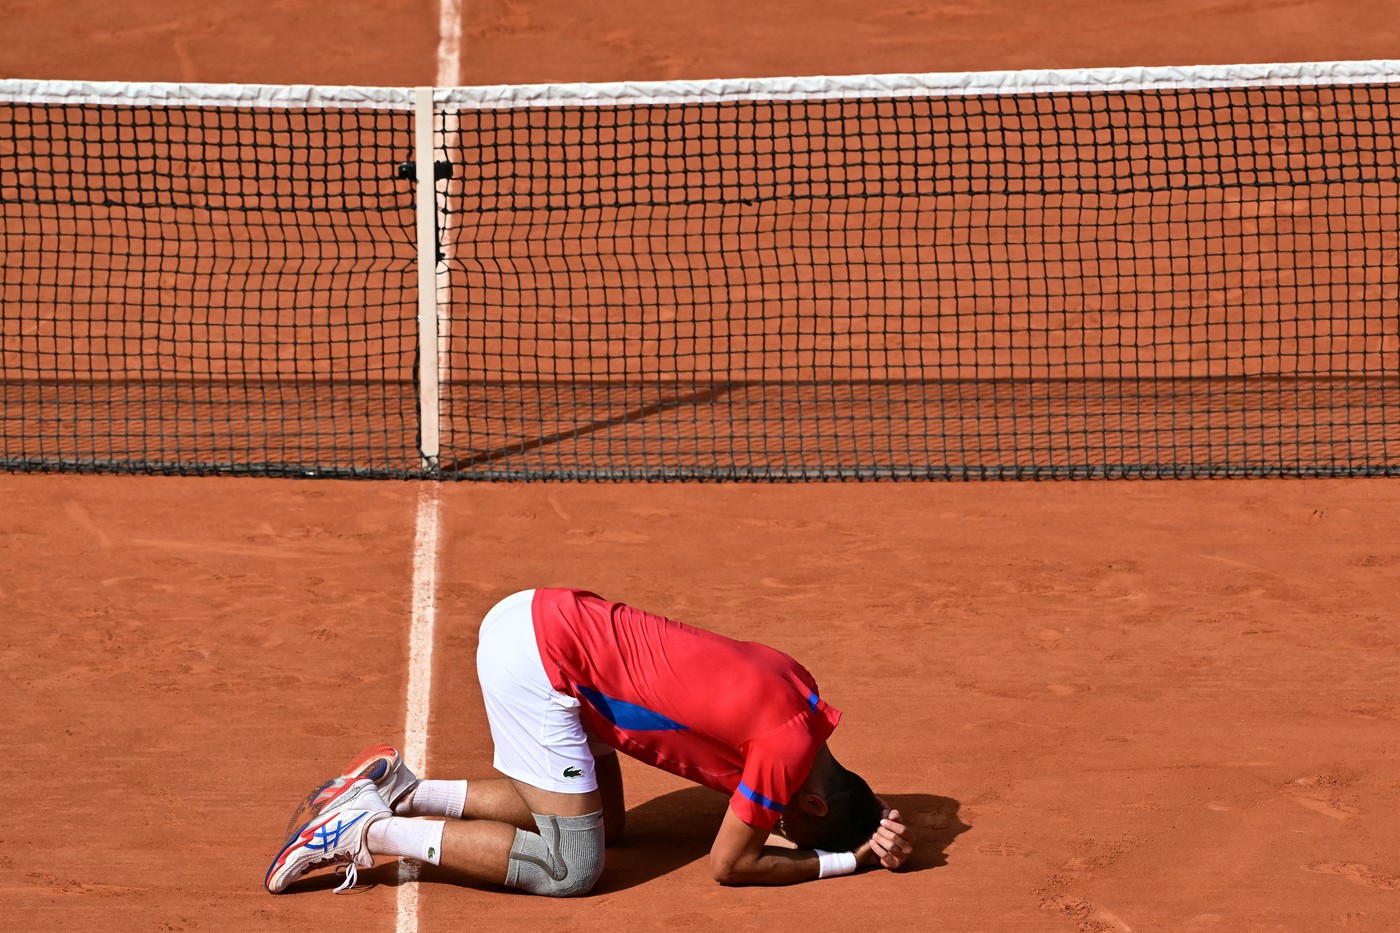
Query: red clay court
{"x": 1108, "y": 705}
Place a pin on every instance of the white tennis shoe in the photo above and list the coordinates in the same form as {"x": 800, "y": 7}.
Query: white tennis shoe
{"x": 381, "y": 764}
{"x": 335, "y": 835}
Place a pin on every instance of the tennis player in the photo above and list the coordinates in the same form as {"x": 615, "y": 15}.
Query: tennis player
{"x": 569, "y": 679}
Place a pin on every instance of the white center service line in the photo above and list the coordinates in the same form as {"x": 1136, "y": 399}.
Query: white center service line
{"x": 449, "y": 73}
{"x": 426, "y": 541}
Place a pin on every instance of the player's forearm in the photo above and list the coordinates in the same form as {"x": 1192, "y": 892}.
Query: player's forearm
{"x": 771, "y": 865}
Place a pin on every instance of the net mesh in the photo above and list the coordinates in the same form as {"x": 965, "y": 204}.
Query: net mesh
{"x": 1195, "y": 280}
{"x": 206, "y": 289}
{"x": 1176, "y": 282}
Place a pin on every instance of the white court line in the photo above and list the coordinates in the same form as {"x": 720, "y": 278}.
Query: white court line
{"x": 420, "y": 638}
{"x": 425, "y": 545}
{"x": 426, "y": 541}
{"x": 449, "y": 73}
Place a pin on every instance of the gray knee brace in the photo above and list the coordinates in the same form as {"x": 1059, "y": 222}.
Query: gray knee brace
{"x": 563, "y": 860}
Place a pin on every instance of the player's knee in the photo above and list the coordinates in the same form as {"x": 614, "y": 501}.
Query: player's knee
{"x": 564, "y": 859}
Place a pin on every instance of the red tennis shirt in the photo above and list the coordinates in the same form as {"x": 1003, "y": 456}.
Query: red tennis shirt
{"x": 738, "y": 717}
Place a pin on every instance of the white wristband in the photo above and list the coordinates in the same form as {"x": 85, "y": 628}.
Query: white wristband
{"x": 835, "y": 863}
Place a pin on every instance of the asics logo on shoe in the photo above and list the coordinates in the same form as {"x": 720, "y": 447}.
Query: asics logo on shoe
{"x": 572, "y": 772}
{"x": 328, "y": 836}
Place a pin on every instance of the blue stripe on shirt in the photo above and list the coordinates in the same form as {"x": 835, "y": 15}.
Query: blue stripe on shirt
{"x": 759, "y": 799}
{"x": 626, "y": 715}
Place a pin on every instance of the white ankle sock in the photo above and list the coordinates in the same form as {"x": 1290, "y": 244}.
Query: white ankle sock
{"x": 407, "y": 838}
{"x": 435, "y": 798}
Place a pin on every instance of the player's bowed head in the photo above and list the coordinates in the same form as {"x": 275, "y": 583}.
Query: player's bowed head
{"x": 834, "y": 810}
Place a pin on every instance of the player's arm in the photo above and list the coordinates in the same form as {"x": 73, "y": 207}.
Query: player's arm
{"x": 739, "y": 856}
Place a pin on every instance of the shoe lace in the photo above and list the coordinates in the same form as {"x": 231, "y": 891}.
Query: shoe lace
{"x": 352, "y": 878}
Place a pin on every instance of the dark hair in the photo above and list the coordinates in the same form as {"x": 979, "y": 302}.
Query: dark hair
{"x": 852, "y": 811}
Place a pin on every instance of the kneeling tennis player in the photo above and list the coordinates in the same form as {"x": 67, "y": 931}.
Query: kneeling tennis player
{"x": 569, "y": 679}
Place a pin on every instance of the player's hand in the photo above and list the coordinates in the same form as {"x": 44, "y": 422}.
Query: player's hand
{"x": 890, "y": 846}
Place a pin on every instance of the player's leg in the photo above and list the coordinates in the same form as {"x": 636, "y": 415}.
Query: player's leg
{"x": 356, "y": 826}
{"x": 565, "y": 837}
{"x": 565, "y": 857}
{"x": 408, "y": 795}
{"x": 541, "y": 747}
{"x": 476, "y": 850}
{"x": 496, "y": 799}
{"x": 478, "y": 845}
{"x": 543, "y": 861}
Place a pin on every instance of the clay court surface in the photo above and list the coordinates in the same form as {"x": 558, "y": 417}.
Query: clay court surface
{"x": 1107, "y": 706}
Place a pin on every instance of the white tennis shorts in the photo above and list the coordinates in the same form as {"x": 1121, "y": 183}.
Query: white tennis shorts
{"x": 538, "y": 735}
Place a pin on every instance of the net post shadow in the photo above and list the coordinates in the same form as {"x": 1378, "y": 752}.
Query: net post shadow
{"x": 699, "y": 396}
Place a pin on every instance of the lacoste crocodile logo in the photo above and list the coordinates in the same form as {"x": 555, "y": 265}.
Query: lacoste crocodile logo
{"x": 572, "y": 772}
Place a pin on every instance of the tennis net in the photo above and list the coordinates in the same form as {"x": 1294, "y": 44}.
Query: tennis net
{"x": 206, "y": 280}
{"x": 1123, "y": 272}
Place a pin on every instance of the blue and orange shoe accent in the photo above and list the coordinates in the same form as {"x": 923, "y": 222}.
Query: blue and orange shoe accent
{"x": 372, "y": 764}
{"x": 317, "y": 835}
